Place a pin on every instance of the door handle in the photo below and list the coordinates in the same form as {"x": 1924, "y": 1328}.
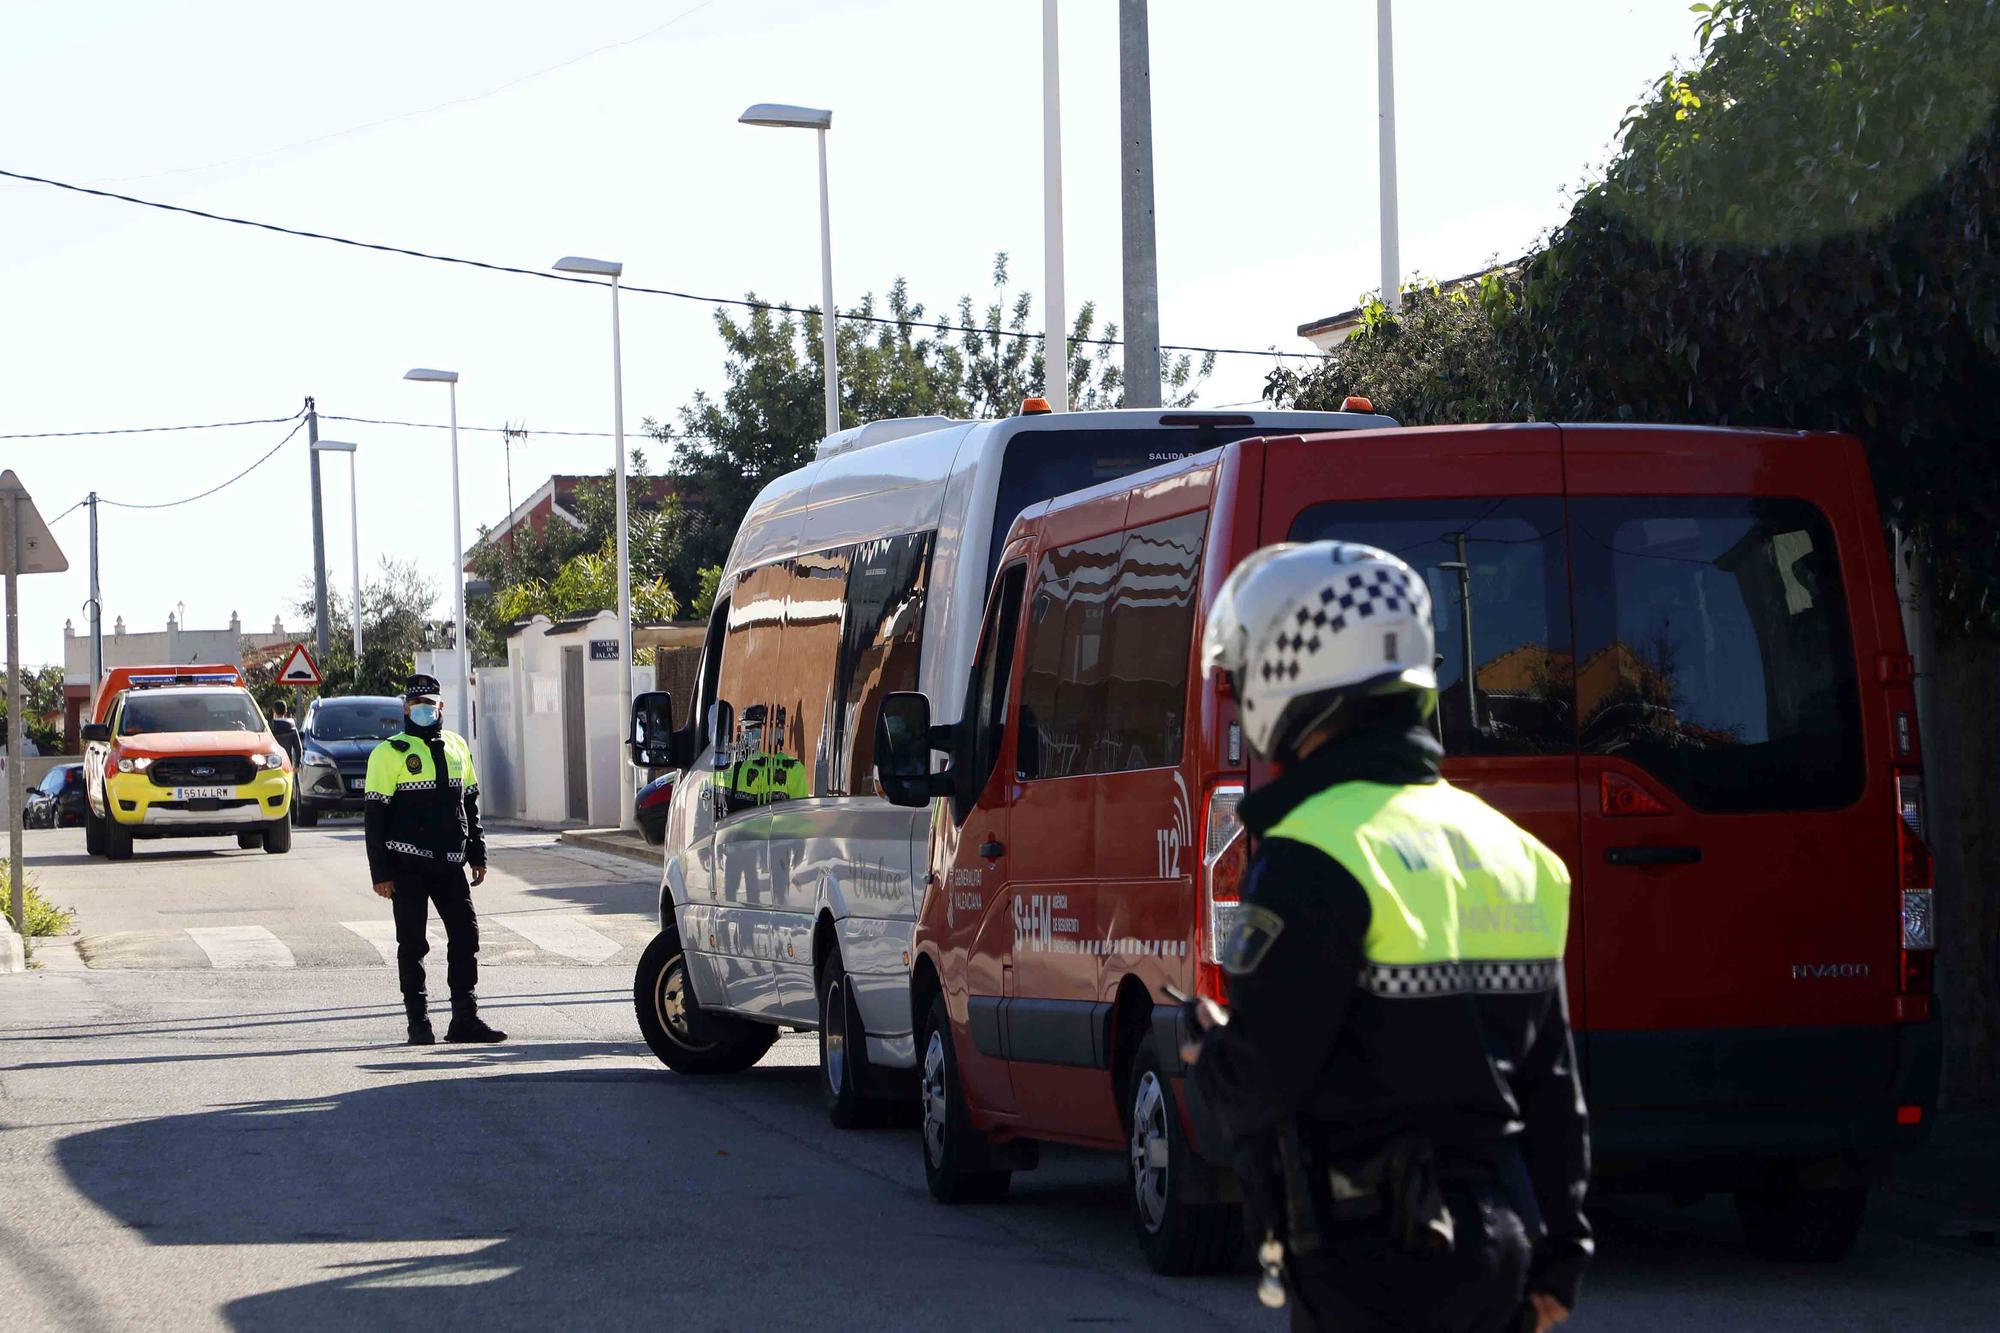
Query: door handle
{"x": 992, "y": 849}
{"x": 1652, "y": 856}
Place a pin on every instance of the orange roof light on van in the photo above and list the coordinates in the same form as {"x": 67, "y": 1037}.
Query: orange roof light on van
{"x": 1354, "y": 402}
{"x": 1034, "y": 407}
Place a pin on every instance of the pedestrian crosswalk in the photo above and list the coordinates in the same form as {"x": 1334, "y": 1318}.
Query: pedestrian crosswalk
{"x": 505, "y": 939}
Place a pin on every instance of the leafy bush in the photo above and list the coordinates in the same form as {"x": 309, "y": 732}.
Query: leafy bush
{"x": 44, "y": 917}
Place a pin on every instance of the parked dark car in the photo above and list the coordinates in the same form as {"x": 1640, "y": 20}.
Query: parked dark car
{"x": 336, "y": 736}
{"x": 650, "y": 807}
{"x": 58, "y": 802}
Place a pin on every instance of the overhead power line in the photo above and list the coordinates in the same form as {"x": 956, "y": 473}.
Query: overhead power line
{"x": 297, "y": 426}
{"x": 147, "y": 430}
{"x": 744, "y": 303}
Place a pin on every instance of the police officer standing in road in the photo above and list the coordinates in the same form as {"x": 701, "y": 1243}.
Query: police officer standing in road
{"x": 1394, "y": 1074}
{"x": 423, "y": 832}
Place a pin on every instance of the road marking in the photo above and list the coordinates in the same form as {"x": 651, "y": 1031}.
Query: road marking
{"x": 380, "y": 933}
{"x": 241, "y": 947}
{"x": 563, "y": 935}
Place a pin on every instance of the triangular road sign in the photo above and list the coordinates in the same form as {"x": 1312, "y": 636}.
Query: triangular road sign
{"x": 299, "y": 668}
{"x": 39, "y": 552}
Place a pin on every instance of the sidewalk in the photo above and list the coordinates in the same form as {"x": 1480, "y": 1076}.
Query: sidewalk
{"x": 619, "y": 842}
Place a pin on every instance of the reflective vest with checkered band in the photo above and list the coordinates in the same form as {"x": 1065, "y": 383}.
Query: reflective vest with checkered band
{"x": 390, "y": 769}
{"x": 1462, "y": 899}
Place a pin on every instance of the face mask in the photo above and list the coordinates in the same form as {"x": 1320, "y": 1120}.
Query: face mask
{"x": 424, "y": 715}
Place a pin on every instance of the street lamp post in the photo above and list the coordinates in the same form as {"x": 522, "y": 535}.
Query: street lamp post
{"x": 808, "y": 118}
{"x": 612, "y": 269}
{"x": 354, "y": 532}
{"x": 460, "y": 672}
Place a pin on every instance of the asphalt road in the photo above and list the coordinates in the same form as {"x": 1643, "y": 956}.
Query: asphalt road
{"x": 195, "y": 1137}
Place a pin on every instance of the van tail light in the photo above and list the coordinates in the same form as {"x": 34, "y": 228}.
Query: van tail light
{"x": 1915, "y": 971}
{"x": 1225, "y": 857}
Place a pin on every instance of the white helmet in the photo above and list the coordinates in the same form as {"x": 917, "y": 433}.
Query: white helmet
{"x": 1302, "y": 626}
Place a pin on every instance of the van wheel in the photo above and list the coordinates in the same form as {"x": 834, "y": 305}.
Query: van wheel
{"x": 93, "y": 833}
{"x": 248, "y": 840}
{"x": 305, "y": 816}
{"x": 278, "y": 836}
{"x": 687, "y": 1040}
{"x": 1794, "y": 1223}
{"x": 117, "y": 841}
{"x": 1179, "y": 1235}
{"x": 843, "y": 1052}
{"x": 951, "y": 1144}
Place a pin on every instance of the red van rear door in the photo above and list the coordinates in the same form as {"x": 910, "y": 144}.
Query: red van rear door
{"x": 1478, "y": 511}
{"x": 1738, "y": 857}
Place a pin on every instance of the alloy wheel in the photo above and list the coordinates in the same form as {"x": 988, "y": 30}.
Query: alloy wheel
{"x": 1149, "y": 1151}
{"x": 934, "y": 1099}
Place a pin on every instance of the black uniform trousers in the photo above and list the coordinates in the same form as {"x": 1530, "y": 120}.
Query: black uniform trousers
{"x": 1359, "y": 1279}
{"x": 417, "y": 886}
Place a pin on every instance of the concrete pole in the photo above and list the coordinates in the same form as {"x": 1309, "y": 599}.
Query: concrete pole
{"x": 96, "y": 606}
{"x": 319, "y": 534}
{"x": 1385, "y": 91}
{"x": 16, "y": 557}
{"x": 1142, "y": 268}
{"x": 1055, "y": 334}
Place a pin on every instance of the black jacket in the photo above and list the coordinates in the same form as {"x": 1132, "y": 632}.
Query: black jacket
{"x": 1490, "y": 1080}
{"x": 423, "y": 804}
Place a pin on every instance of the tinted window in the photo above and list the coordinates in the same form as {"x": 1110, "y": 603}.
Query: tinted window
{"x": 1066, "y": 671}
{"x": 748, "y": 682}
{"x": 987, "y": 692}
{"x": 881, "y": 639}
{"x": 183, "y": 710}
{"x": 1715, "y": 650}
{"x": 1110, "y": 633}
{"x": 1499, "y": 565}
{"x": 808, "y": 663}
{"x": 374, "y": 720}
{"x": 1043, "y": 464}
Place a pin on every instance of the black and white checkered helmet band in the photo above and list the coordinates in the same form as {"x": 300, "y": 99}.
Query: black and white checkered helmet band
{"x": 1352, "y": 598}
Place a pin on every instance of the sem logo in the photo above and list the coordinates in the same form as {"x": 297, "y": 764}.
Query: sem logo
{"x": 1177, "y": 834}
{"x": 1828, "y": 971}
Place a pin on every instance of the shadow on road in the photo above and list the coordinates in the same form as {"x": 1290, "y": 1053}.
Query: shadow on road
{"x": 577, "y": 1196}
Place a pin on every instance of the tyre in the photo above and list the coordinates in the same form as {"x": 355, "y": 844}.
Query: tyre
{"x": 248, "y": 840}
{"x": 685, "y": 1038}
{"x": 1179, "y": 1233}
{"x": 305, "y": 816}
{"x": 1794, "y": 1223}
{"x": 93, "y": 833}
{"x": 843, "y": 1052}
{"x": 117, "y": 841}
{"x": 954, "y": 1154}
{"x": 277, "y": 836}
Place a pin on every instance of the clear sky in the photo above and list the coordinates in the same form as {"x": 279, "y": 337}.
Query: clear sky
{"x": 519, "y": 132}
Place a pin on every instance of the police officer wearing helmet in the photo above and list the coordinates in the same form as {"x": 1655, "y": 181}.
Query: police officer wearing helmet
{"x": 1394, "y": 1074}
{"x": 423, "y": 832}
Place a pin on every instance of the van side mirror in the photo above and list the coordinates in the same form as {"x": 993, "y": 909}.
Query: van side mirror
{"x": 97, "y": 731}
{"x": 653, "y": 739}
{"x": 904, "y": 739}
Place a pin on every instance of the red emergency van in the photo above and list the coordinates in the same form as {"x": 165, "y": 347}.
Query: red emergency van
{"x": 1674, "y": 654}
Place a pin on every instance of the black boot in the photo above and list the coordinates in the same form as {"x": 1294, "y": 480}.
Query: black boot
{"x": 466, "y": 1025}
{"x": 417, "y": 1011}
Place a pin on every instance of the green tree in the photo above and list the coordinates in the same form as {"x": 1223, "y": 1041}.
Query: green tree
{"x": 398, "y": 619}
{"x": 1799, "y": 231}
{"x": 586, "y": 583}
{"x": 1442, "y": 360}
{"x": 41, "y": 699}
{"x": 769, "y": 417}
